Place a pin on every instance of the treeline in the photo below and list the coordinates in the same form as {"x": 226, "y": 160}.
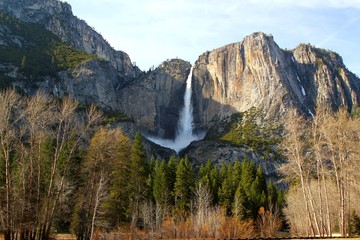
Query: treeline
{"x": 61, "y": 171}
{"x": 121, "y": 186}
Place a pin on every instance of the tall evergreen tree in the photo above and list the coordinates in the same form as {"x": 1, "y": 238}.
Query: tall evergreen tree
{"x": 237, "y": 173}
{"x": 116, "y": 206}
{"x": 172, "y": 166}
{"x": 139, "y": 168}
{"x": 184, "y": 184}
{"x": 209, "y": 177}
{"x": 161, "y": 190}
{"x": 215, "y": 183}
{"x": 272, "y": 193}
{"x": 139, "y": 172}
{"x": 227, "y": 188}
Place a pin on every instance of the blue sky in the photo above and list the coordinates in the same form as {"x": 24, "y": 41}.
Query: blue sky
{"x": 151, "y": 31}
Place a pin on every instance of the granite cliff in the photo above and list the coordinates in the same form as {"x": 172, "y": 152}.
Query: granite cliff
{"x": 57, "y": 17}
{"x": 153, "y": 99}
{"x": 257, "y": 73}
{"x": 254, "y": 73}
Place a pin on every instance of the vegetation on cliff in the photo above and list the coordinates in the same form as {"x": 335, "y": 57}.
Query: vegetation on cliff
{"x": 241, "y": 129}
{"x": 35, "y": 51}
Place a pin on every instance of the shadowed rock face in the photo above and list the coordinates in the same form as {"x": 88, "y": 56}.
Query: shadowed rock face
{"x": 252, "y": 73}
{"x": 257, "y": 73}
{"x": 154, "y": 101}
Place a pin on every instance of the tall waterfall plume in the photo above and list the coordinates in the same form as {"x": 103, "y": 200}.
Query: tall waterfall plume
{"x": 184, "y": 133}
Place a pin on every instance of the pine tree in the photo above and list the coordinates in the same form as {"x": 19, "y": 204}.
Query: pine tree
{"x": 248, "y": 174}
{"x": 215, "y": 183}
{"x": 139, "y": 173}
{"x": 116, "y": 206}
{"x": 209, "y": 176}
{"x": 139, "y": 168}
{"x": 244, "y": 192}
{"x": 150, "y": 179}
{"x": 225, "y": 194}
{"x": 172, "y": 166}
{"x": 227, "y": 188}
{"x": 240, "y": 204}
{"x": 237, "y": 173}
{"x": 161, "y": 191}
{"x": 262, "y": 179}
{"x": 184, "y": 184}
{"x": 272, "y": 193}
{"x": 205, "y": 170}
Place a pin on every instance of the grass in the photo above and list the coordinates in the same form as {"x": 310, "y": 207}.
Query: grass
{"x": 60, "y": 236}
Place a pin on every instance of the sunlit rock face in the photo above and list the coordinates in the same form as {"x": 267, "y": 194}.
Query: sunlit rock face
{"x": 57, "y": 17}
{"x": 257, "y": 73}
{"x": 254, "y": 72}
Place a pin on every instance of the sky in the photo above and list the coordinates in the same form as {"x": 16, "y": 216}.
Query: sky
{"x": 152, "y": 31}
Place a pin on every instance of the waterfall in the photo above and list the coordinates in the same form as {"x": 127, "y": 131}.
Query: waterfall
{"x": 184, "y": 132}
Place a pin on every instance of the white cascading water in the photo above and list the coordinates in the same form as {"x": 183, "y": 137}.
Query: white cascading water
{"x": 184, "y": 133}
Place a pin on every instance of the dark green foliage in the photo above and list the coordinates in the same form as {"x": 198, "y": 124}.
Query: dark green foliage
{"x": 184, "y": 184}
{"x": 116, "y": 206}
{"x": 5, "y": 81}
{"x": 227, "y": 186}
{"x": 354, "y": 225}
{"x": 139, "y": 170}
{"x": 226, "y": 194}
{"x": 161, "y": 189}
{"x": 172, "y": 166}
{"x": 62, "y": 222}
{"x": 37, "y": 52}
{"x": 209, "y": 176}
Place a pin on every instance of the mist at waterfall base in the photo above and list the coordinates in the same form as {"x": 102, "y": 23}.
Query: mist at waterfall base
{"x": 184, "y": 132}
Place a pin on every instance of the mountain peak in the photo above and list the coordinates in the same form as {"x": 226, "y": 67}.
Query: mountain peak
{"x": 256, "y": 72}
{"x": 257, "y": 36}
{"x": 57, "y": 17}
{"x": 37, "y": 11}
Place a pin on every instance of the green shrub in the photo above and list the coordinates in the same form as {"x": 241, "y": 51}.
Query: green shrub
{"x": 241, "y": 129}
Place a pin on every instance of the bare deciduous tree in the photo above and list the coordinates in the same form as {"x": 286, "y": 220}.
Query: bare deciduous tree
{"x": 322, "y": 156}
{"x": 35, "y": 184}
